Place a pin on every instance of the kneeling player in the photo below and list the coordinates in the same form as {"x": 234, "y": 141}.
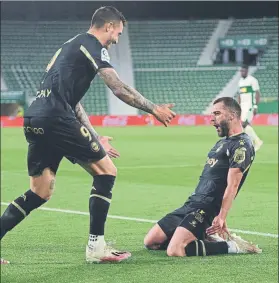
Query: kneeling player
{"x": 192, "y": 229}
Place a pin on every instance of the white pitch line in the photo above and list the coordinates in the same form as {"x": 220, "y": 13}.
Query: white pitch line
{"x": 143, "y": 220}
{"x": 135, "y": 167}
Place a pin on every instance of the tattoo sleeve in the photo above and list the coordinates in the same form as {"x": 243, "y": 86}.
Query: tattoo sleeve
{"x": 83, "y": 118}
{"x": 124, "y": 92}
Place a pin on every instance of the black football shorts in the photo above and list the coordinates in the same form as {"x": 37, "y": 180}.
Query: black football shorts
{"x": 196, "y": 220}
{"x": 51, "y": 139}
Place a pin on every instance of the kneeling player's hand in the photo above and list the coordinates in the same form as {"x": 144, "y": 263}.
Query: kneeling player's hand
{"x": 111, "y": 152}
{"x": 225, "y": 233}
{"x": 164, "y": 114}
{"x": 216, "y": 227}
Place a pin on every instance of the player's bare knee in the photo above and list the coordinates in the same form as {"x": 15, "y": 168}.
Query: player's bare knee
{"x": 177, "y": 250}
{"x": 51, "y": 188}
{"x": 151, "y": 243}
{"x": 114, "y": 170}
{"x": 155, "y": 238}
{"x": 44, "y": 184}
{"x": 104, "y": 166}
{"x": 111, "y": 170}
{"x": 45, "y": 189}
{"x": 148, "y": 242}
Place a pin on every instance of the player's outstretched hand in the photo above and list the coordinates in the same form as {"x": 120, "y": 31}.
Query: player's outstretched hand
{"x": 164, "y": 114}
{"x": 216, "y": 227}
{"x": 225, "y": 233}
{"x": 112, "y": 152}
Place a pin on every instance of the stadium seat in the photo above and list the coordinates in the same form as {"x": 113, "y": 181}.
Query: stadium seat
{"x": 260, "y": 27}
{"x": 162, "y": 53}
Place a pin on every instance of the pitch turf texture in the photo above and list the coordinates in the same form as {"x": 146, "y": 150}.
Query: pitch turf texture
{"x": 158, "y": 169}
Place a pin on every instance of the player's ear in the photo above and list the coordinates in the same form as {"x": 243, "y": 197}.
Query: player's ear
{"x": 232, "y": 116}
{"x": 109, "y": 26}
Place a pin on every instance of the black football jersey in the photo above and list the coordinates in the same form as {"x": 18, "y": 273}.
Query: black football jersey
{"x": 231, "y": 152}
{"x": 68, "y": 76}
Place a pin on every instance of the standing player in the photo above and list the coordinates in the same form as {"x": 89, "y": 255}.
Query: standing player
{"x": 249, "y": 97}
{"x": 56, "y": 126}
{"x": 183, "y": 231}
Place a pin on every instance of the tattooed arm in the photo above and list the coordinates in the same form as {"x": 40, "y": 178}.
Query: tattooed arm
{"x": 83, "y": 118}
{"x": 124, "y": 92}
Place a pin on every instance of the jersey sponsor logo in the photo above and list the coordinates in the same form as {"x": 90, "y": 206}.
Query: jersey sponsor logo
{"x": 239, "y": 155}
{"x": 43, "y": 93}
{"x": 211, "y": 161}
{"x": 36, "y": 131}
{"x": 243, "y": 90}
{"x": 105, "y": 55}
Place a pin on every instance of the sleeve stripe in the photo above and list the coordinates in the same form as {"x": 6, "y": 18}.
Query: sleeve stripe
{"x": 87, "y": 54}
{"x": 246, "y": 168}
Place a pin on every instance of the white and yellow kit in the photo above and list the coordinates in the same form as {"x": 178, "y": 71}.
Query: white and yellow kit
{"x": 247, "y": 88}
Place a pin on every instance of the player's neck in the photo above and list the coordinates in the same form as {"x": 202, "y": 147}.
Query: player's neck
{"x": 234, "y": 131}
{"x": 98, "y": 34}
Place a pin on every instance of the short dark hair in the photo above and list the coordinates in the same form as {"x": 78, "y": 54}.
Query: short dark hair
{"x": 105, "y": 15}
{"x": 245, "y": 66}
{"x": 231, "y": 104}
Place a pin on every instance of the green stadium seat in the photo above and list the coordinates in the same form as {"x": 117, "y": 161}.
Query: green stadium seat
{"x": 26, "y": 53}
{"x": 163, "y": 45}
{"x": 261, "y": 27}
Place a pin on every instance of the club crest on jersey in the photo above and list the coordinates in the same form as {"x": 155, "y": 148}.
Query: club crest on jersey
{"x": 105, "y": 55}
{"x": 239, "y": 155}
{"x": 95, "y": 147}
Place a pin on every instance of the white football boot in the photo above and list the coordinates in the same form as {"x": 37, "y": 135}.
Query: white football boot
{"x": 3, "y": 261}
{"x": 214, "y": 238}
{"x": 107, "y": 254}
{"x": 244, "y": 247}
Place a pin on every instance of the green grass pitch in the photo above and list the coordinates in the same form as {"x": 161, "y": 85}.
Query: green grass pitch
{"x": 158, "y": 169}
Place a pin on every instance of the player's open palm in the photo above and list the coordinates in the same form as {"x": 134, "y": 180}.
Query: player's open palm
{"x": 225, "y": 233}
{"x": 164, "y": 114}
{"x": 112, "y": 152}
{"x": 216, "y": 227}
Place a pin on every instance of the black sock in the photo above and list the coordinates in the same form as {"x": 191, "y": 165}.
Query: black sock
{"x": 18, "y": 210}
{"x": 99, "y": 203}
{"x": 203, "y": 248}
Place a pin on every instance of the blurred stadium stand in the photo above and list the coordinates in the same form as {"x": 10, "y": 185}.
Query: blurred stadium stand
{"x": 27, "y": 51}
{"x": 268, "y": 77}
{"x": 164, "y": 53}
